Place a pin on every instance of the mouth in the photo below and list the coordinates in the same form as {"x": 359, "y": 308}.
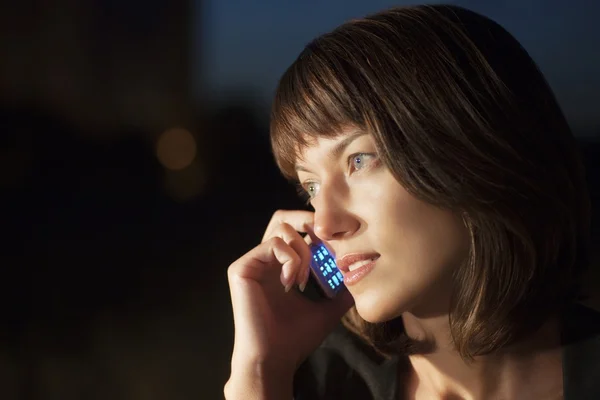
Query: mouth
{"x": 352, "y": 262}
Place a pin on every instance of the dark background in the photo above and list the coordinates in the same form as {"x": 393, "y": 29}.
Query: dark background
{"x": 135, "y": 167}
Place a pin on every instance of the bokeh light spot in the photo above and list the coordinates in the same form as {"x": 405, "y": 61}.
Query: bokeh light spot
{"x": 176, "y": 149}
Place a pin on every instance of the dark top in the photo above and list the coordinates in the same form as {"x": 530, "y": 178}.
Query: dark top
{"x": 345, "y": 368}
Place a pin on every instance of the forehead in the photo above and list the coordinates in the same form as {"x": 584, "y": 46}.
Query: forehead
{"x": 315, "y": 142}
{"x": 313, "y": 146}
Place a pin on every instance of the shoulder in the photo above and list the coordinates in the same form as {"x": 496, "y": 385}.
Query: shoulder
{"x": 343, "y": 367}
{"x": 581, "y": 355}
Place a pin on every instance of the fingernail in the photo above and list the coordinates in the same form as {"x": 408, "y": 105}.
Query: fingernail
{"x": 302, "y": 286}
{"x": 288, "y": 287}
{"x": 287, "y": 273}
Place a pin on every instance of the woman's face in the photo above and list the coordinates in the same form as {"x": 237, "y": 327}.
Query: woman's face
{"x": 363, "y": 213}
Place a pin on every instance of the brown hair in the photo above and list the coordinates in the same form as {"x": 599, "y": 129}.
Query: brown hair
{"x": 464, "y": 119}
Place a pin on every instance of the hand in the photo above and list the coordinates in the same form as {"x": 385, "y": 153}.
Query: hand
{"x": 275, "y": 328}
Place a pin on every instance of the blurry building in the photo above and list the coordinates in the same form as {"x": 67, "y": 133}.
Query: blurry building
{"x": 104, "y": 64}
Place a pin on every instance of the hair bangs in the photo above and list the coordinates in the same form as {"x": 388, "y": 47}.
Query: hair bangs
{"x": 313, "y": 99}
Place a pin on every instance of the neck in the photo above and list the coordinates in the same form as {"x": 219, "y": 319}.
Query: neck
{"x": 524, "y": 370}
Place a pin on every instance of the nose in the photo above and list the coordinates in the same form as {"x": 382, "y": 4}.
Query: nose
{"x": 332, "y": 220}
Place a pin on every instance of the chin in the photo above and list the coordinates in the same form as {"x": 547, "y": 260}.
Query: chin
{"x": 376, "y": 309}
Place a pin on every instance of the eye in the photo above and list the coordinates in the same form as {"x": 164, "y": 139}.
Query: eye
{"x": 360, "y": 161}
{"x": 307, "y": 190}
{"x": 311, "y": 188}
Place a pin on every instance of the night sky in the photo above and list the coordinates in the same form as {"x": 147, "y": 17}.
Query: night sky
{"x": 243, "y": 44}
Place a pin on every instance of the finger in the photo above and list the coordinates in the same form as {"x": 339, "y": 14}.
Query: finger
{"x": 299, "y": 220}
{"x": 304, "y": 275}
{"x": 295, "y": 240}
{"x": 266, "y": 261}
{"x": 302, "y": 279}
{"x": 310, "y": 237}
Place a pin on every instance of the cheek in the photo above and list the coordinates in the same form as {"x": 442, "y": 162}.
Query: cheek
{"x": 418, "y": 233}
{"x": 439, "y": 239}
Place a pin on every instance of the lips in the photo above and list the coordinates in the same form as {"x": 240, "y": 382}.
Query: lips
{"x": 356, "y": 266}
{"x": 351, "y": 262}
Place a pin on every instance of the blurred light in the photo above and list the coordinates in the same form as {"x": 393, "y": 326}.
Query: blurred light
{"x": 176, "y": 149}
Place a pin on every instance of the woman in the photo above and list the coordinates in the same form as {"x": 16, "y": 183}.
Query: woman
{"x": 445, "y": 179}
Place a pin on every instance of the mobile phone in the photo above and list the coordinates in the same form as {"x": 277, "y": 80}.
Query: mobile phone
{"x": 325, "y": 279}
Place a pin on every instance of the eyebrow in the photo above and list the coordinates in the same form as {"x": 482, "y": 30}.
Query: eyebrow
{"x": 337, "y": 151}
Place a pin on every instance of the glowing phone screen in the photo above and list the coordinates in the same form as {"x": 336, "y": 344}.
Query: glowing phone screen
{"x": 325, "y": 270}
